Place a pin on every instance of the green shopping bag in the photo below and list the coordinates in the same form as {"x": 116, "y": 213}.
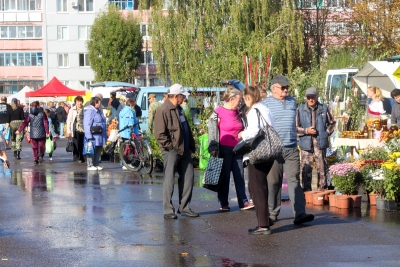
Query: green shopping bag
{"x": 204, "y": 155}
{"x": 49, "y": 145}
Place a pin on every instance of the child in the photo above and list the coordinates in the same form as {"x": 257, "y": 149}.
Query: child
{"x": 53, "y": 134}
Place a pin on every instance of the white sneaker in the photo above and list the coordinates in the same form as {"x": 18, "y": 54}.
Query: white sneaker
{"x": 51, "y": 159}
{"x": 124, "y": 168}
{"x": 92, "y": 168}
{"x": 100, "y": 168}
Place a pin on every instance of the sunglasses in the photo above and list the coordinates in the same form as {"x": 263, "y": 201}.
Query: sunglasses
{"x": 283, "y": 87}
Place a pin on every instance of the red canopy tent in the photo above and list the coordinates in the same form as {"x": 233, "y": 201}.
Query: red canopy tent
{"x": 54, "y": 88}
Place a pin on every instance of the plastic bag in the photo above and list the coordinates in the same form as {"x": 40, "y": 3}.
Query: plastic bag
{"x": 113, "y": 136}
{"x": 49, "y": 145}
{"x": 28, "y": 137}
{"x": 204, "y": 154}
{"x": 88, "y": 147}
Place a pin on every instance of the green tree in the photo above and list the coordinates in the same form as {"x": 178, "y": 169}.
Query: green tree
{"x": 199, "y": 43}
{"x": 114, "y": 46}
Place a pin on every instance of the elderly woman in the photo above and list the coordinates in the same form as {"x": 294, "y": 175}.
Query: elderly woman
{"x": 224, "y": 127}
{"x": 94, "y": 126}
{"x": 75, "y": 128}
{"x": 17, "y": 117}
{"x": 38, "y": 130}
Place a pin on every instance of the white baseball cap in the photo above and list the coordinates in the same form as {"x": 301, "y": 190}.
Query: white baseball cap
{"x": 177, "y": 89}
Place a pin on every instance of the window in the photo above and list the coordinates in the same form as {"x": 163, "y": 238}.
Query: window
{"x": 337, "y": 28}
{"x": 332, "y": 3}
{"x": 20, "y": 32}
{"x": 12, "y": 87}
{"x": 168, "y": 4}
{"x": 62, "y": 33}
{"x": 146, "y": 57}
{"x": 144, "y": 31}
{"x": 152, "y": 82}
{"x": 22, "y": 5}
{"x": 63, "y": 61}
{"x": 126, "y": 4}
{"x": 85, "y": 5}
{"x": 83, "y": 60}
{"x": 84, "y": 32}
{"x": 86, "y": 84}
{"x": 62, "y": 5}
{"x": 65, "y": 82}
{"x": 21, "y": 59}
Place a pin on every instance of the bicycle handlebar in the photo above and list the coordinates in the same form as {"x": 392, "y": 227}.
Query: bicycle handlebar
{"x": 127, "y": 127}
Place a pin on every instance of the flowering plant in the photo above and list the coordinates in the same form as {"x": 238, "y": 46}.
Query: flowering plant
{"x": 375, "y": 181}
{"x": 391, "y": 182}
{"x": 346, "y": 177}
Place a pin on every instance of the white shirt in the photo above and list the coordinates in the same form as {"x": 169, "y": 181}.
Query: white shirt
{"x": 252, "y": 120}
{"x": 376, "y": 105}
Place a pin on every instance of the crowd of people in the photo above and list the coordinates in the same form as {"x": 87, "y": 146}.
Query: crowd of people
{"x": 40, "y": 121}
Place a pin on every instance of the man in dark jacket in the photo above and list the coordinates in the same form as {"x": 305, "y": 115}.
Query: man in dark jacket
{"x": 175, "y": 139}
{"x": 315, "y": 124}
{"x": 5, "y": 119}
{"x": 61, "y": 115}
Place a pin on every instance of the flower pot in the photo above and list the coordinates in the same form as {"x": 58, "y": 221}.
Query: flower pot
{"x": 380, "y": 203}
{"x": 318, "y": 199}
{"x": 332, "y": 200}
{"x": 343, "y": 202}
{"x": 372, "y": 199}
{"x": 309, "y": 196}
{"x": 327, "y": 193}
{"x": 390, "y": 205}
{"x": 355, "y": 201}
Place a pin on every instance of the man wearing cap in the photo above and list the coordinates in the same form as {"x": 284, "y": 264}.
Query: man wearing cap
{"x": 176, "y": 142}
{"x": 154, "y": 105}
{"x": 283, "y": 108}
{"x": 314, "y": 125}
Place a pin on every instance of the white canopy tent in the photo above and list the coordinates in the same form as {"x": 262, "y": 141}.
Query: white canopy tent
{"x": 379, "y": 74}
{"x": 20, "y": 95}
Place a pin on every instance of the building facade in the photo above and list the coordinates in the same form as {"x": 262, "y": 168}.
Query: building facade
{"x": 40, "y": 39}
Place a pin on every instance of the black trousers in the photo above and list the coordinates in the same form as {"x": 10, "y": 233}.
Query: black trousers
{"x": 78, "y": 145}
{"x": 259, "y": 190}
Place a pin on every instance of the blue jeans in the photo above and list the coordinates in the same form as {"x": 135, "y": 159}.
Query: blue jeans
{"x": 232, "y": 163}
{"x": 62, "y": 129}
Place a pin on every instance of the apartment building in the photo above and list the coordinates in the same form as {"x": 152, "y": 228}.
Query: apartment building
{"x": 40, "y": 39}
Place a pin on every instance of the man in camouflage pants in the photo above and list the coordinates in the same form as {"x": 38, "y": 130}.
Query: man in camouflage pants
{"x": 154, "y": 105}
{"x": 314, "y": 125}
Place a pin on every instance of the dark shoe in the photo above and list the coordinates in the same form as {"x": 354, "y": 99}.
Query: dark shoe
{"x": 260, "y": 231}
{"x": 271, "y": 222}
{"x": 36, "y": 162}
{"x": 303, "y": 218}
{"x": 15, "y": 154}
{"x": 18, "y": 153}
{"x": 225, "y": 208}
{"x": 189, "y": 213}
{"x": 8, "y": 148}
{"x": 170, "y": 216}
{"x": 274, "y": 218}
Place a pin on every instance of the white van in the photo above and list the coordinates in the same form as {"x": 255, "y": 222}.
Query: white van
{"x": 194, "y": 101}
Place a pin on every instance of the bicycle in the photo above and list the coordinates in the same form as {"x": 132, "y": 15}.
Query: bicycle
{"x": 135, "y": 153}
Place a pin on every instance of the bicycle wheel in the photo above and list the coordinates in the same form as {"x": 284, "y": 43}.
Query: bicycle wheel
{"x": 147, "y": 158}
{"x": 129, "y": 156}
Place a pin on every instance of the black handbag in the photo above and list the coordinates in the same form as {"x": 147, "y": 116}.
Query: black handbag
{"x": 70, "y": 146}
{"x": 244, "y": 147}
{"x": 109, "y": 148}
{"x": 96, "y": 129}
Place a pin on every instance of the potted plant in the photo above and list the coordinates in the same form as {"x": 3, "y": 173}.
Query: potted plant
{"x": 373, "y": 181}
{"x": 346, "y": 177}
{"x": 391, "y": 184}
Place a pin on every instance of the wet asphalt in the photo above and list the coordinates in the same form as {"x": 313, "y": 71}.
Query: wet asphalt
{"x": 59, "y": 214}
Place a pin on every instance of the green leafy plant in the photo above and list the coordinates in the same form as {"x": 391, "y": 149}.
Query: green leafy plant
{"x": 374, "y": 153}
{"x": 391, "y": 183}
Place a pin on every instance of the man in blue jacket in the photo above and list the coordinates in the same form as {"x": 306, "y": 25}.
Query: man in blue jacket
{"x": 314, "y": 124}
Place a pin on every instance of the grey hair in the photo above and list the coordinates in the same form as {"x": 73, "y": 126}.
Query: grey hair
{"x": 230, "y": 92}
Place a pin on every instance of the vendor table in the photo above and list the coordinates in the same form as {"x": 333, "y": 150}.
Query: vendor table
{"x": 355, "y": 143}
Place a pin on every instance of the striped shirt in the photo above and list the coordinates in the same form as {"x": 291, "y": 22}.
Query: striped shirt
{"x": 284, "y": 113}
